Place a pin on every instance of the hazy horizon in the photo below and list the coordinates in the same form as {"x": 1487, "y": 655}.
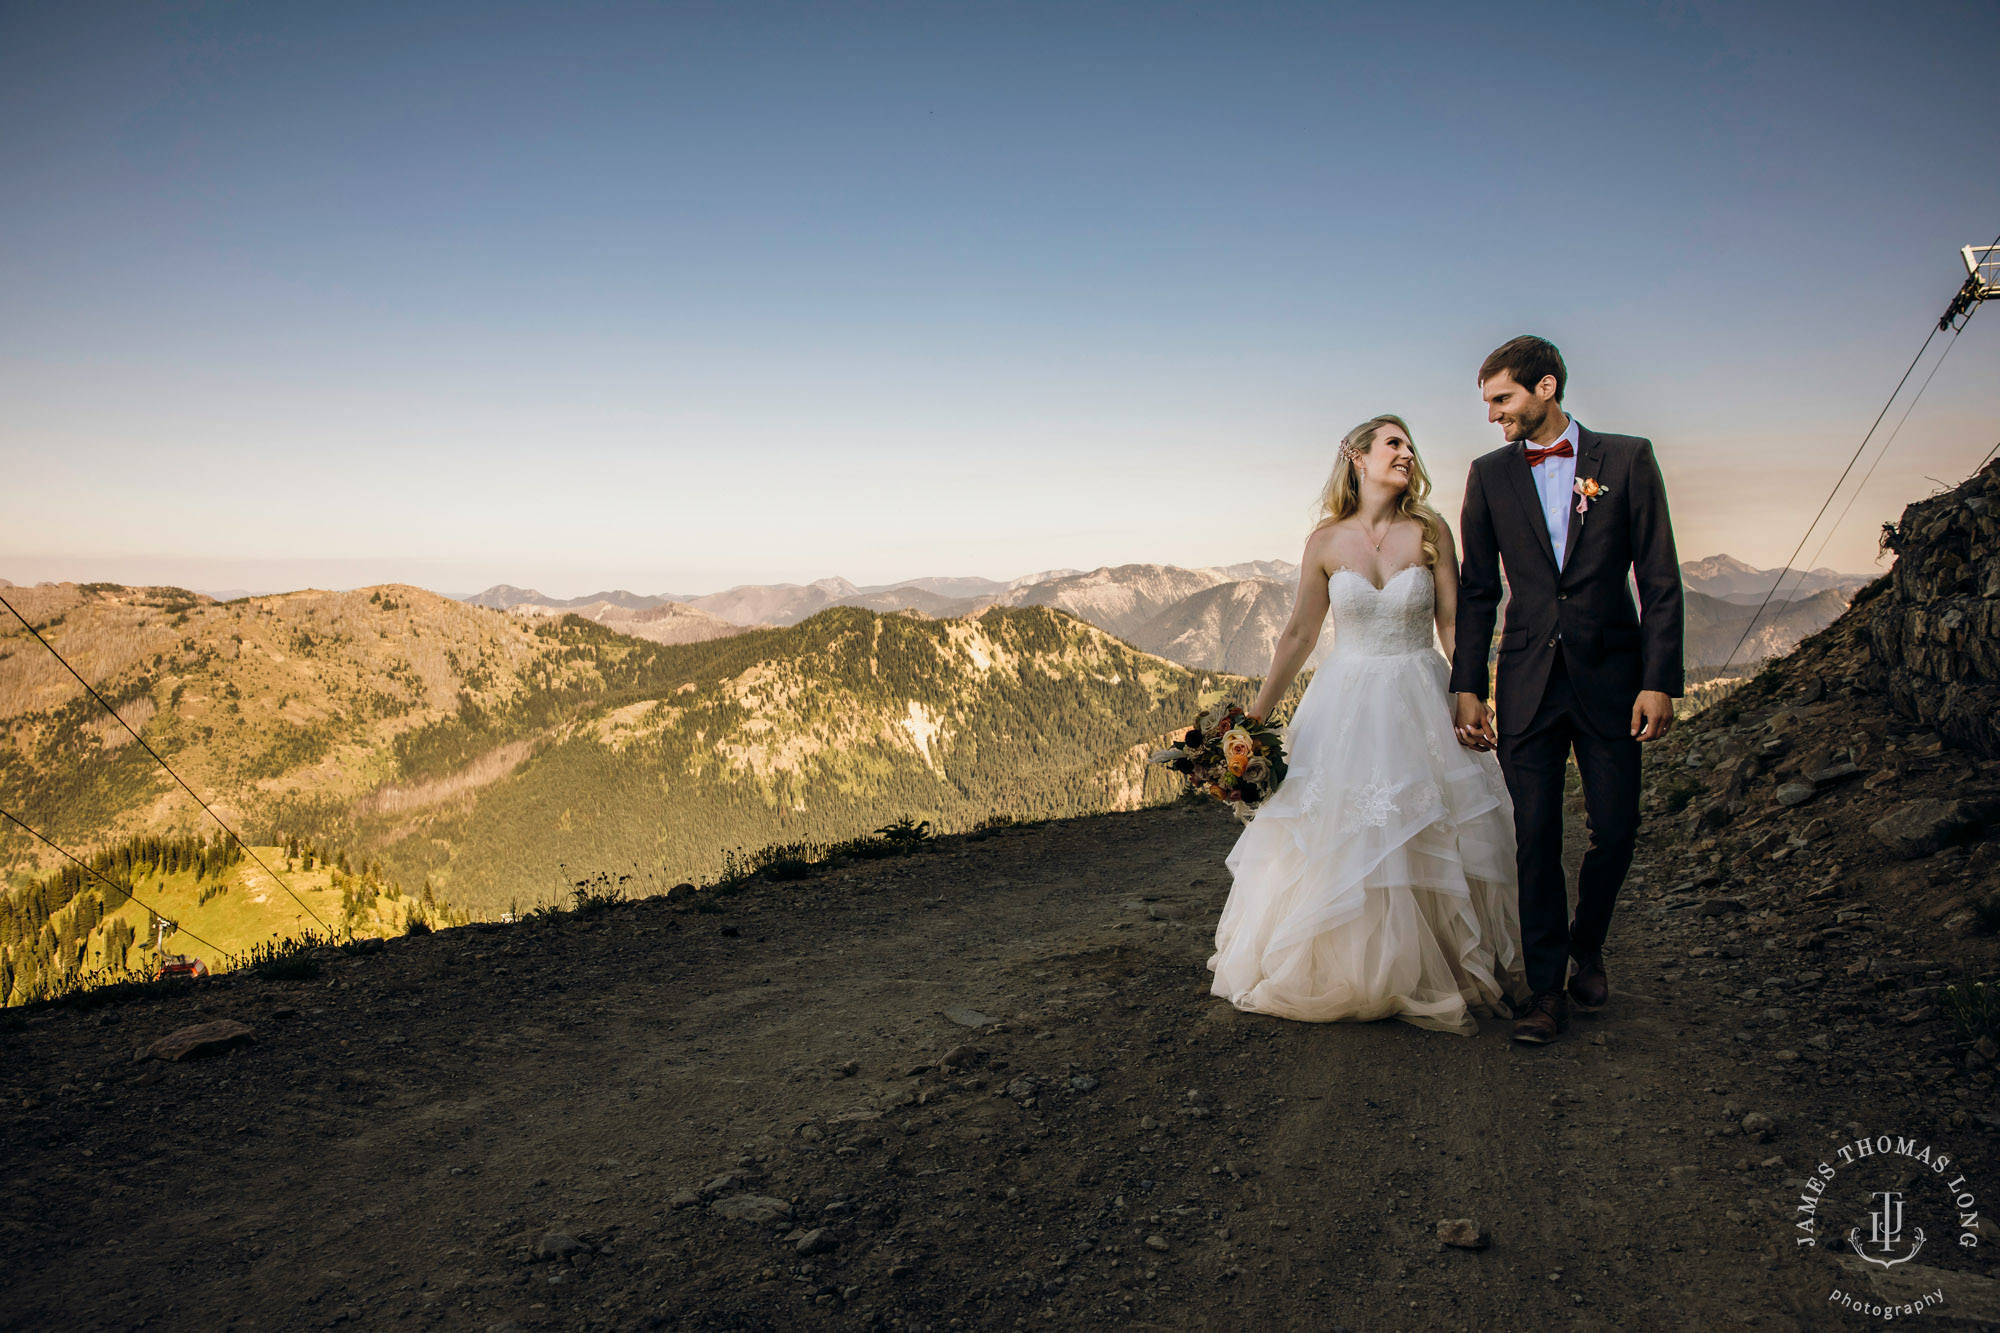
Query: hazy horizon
{"x": 563, "y": 592}
{"x": 697, "y": 296}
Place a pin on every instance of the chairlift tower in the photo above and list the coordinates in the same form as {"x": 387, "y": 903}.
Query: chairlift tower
{"x": 1982, "y": 283}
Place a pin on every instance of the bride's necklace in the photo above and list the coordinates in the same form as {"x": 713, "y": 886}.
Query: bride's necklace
{"x": 1385, "y": 534}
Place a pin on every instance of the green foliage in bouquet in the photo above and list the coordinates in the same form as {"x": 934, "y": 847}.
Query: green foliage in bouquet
{"x": 1230, "y": 756}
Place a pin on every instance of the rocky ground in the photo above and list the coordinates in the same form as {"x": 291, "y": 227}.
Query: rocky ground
{"x": 801, "y": 1112}
{"x": 1802, "y": 827}
{"x": 986, "y": 1086}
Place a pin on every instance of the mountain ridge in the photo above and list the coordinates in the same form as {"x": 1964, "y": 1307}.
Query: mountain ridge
{"x": 1182, "y": 614}
{"x": 478, "y": 751}
{"x": 1724, "y": 576}
{"x": 1715, "y": 575}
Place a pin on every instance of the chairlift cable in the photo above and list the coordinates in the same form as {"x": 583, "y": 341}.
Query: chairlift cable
{"x": 1887, "y": 444}
{"x": 222, "y": 954}
{"x": 92, "y": 692}
{"x": 1786, "y": 568}
{"x": 1844, "y": 472}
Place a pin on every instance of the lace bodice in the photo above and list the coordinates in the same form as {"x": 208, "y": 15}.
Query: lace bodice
{"x": 1389, "y": 621}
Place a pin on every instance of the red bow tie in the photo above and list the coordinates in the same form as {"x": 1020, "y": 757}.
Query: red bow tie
{"x": 1560, "y": 449}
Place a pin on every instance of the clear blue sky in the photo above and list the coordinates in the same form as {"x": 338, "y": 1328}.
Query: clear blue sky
{"x": 672, "y": 297}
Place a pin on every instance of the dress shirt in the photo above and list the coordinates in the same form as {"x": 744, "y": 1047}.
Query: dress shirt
{"x": 1555, "y": 482}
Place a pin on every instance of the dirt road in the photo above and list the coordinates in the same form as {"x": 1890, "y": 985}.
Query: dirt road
{"x": 549, "y": 1125}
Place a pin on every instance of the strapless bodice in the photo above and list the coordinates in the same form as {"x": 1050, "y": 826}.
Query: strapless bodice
{"x": 1390, "y": 621}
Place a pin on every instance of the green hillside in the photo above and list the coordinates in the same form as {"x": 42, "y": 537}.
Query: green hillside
{"x": 216, "y": 904}
{"x": 811, "y": 733}
{"x": 497, "y": 760}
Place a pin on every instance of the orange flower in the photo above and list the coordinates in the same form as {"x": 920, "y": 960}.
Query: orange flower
{"x": 1237, "y": 747}
{"x": 1588, "y": 489}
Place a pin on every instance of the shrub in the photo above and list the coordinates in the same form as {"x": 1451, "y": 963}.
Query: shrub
{"x": 286, "y": 959}
{"x": 594, "y": 895}
{"x": 737, "y": 870}
{"x": 1974, "y": 1009}
{"x": 905, "y": 834}
{"x": 787, "y": 869}
{"x": 865, "y": 849}
{"x": 1679, "y": 791}
{"x": 90, "y": 990}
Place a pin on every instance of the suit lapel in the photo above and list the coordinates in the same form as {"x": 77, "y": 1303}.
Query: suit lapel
{"x": 1522, "y": 477}
{"x": 1589, "y": 459}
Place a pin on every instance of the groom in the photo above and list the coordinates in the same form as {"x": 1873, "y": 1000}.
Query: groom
{"x": 1571, "y": 513}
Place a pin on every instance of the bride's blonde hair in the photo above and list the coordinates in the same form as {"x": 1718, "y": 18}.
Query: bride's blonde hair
{"x": 1342, "y": 495}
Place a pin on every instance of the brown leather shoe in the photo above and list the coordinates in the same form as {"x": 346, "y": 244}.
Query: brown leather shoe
{"x": 1546, "y": 1016}
{"x": 1588, "y": 986}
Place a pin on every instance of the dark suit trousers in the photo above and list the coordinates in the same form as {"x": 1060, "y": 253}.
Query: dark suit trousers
{"x": 1535, "y": 762}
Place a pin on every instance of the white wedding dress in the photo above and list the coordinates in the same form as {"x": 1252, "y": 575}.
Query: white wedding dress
{"x": 1378, "y": 881}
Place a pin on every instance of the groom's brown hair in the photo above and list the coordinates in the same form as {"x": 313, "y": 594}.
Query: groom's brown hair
{"x": 1526, "y": 358}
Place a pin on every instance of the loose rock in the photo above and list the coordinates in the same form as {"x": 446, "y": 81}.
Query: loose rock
{"x": 560, "y": 1245}
{"x": 817, "y": 1241}
{"x": 1919, "y": 828}
{"x": 759, "y": 1208}
{"x": 726, "y": 1180}
{"x": 200, "y": 1039}
{"x": 1463, "y": 1233}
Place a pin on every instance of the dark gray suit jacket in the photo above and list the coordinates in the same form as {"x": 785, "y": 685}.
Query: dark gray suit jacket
{"x": 1611, "y": 649}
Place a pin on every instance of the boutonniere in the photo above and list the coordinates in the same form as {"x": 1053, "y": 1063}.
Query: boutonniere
{"x": 1587, "y": 490}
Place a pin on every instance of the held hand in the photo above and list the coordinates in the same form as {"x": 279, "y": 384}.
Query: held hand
{"x": 1472, "y": 721}
{"x": 1652, "y": 715}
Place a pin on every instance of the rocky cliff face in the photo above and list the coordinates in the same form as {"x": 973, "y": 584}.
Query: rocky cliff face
{"x": 1840, "y": 808}
{"x": 1934, "y": 645}
{"x": 1829, "y": 860}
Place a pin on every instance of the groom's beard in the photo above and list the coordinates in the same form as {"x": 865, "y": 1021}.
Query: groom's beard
{"x": 1525, "y": 426}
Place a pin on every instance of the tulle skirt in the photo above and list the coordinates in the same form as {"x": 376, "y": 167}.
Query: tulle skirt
{"x": 1379, "y": 880}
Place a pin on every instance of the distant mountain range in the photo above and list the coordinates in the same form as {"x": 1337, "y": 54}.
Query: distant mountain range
{"x": 492, "y": 755}
{"x": 1715, "y": 627}
{"x": 497, "y": 757}
{"x": 1732, "y": 580}
{"x": 1220, "y": 618}
{"x": 666, "y": 622}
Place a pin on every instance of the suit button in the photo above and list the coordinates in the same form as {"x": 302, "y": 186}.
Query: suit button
{"x": 1552, "y": 643}
{"x": 1562, "y": 597}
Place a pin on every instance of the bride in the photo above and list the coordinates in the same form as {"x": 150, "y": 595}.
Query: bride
{"x": 1378, "y": 880}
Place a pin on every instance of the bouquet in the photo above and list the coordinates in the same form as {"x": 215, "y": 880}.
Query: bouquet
{"x": 1229, "y": 755}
